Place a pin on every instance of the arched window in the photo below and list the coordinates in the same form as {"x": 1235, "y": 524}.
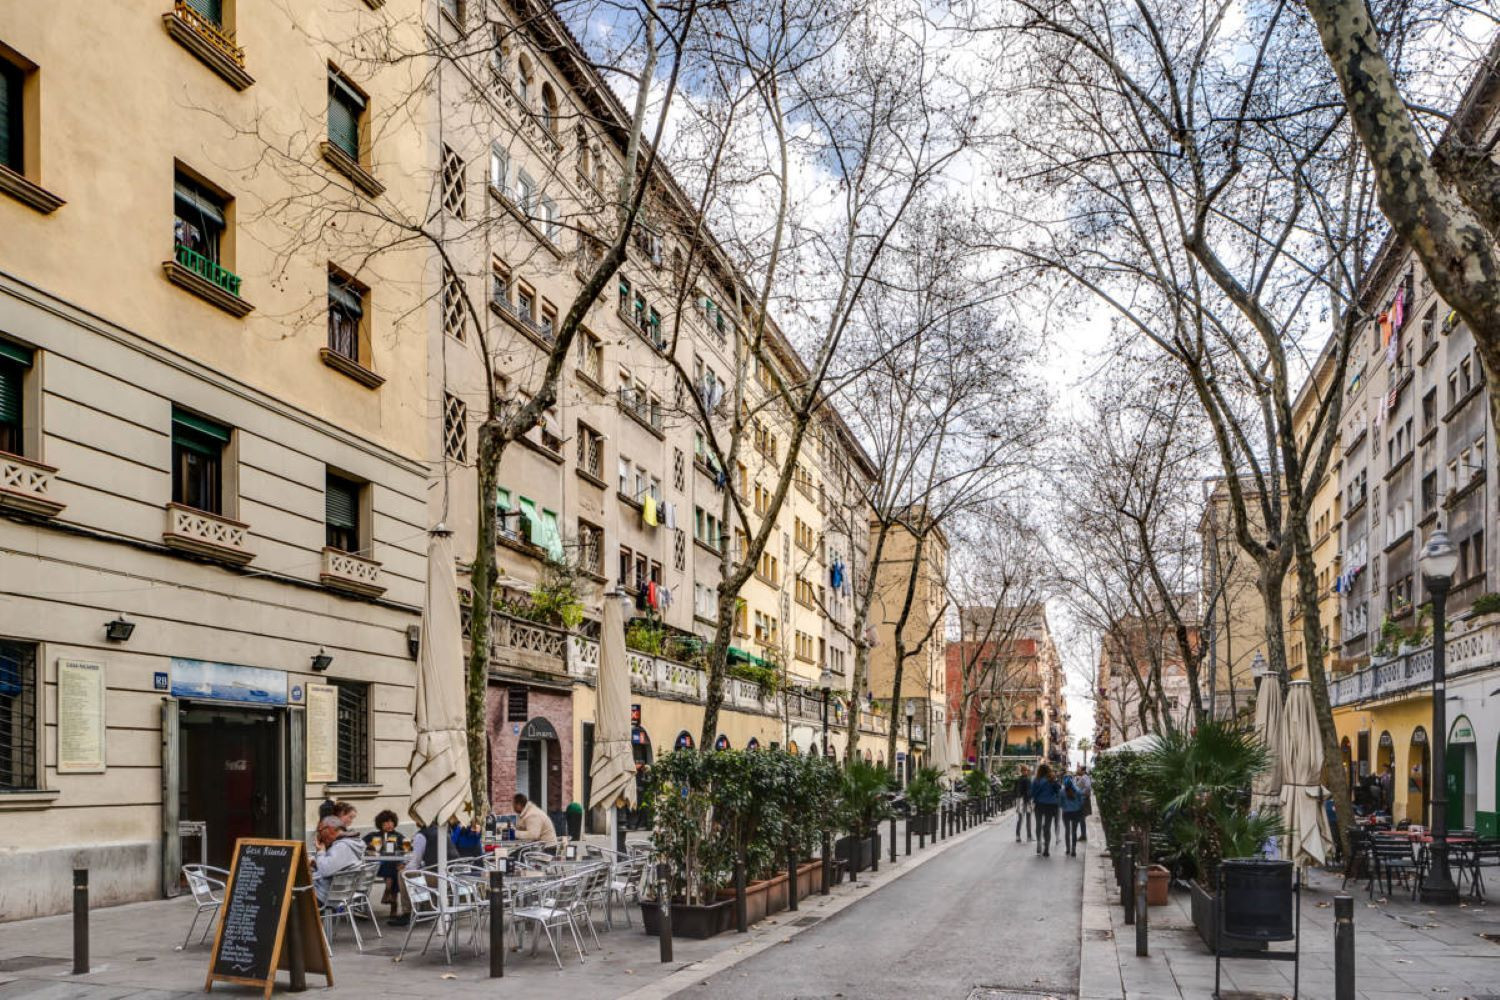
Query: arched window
{"x": 549, "y": 108}
{"x": 523, "y": 79}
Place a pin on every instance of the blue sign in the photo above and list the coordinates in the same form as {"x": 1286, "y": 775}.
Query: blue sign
{"x": 296, "y": 695}
{"x": 160, "y": 682}
{"x": 201, "y": 679}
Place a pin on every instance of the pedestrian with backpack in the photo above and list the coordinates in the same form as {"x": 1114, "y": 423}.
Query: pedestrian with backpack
{"x": 1072, "y": 814}
{"x": 1046, "y": 793}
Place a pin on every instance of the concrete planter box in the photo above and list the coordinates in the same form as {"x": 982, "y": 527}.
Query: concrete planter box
{"x": 857, "y": 853}
{"x": 1205, "y": 919}
{"x": 699, "y": 922}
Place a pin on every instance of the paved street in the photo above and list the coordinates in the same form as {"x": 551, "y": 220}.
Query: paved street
{"x": 987, "y": 914}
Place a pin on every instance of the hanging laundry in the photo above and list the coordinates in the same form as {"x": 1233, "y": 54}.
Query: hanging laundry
{"x": 1384, "y": 320}
{"x": 1393, "y": 349}
{"x": 720, "y": 479}
{"x": 648, "y": 510}
{"x": 669, "y": 511}
{"x": 640, "y": 600}
{"x": 1398, "y": 309}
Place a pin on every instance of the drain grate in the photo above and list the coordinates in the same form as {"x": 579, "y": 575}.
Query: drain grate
{"x": 806, "y": 921}
{"x": 996, "y": 993}
{"x": 23, "y": 962}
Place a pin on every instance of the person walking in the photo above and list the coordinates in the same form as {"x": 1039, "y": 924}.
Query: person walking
{"x": 1023, "y": 803}
{"x": 1086, "y": 789}
{"x": 1072, "y": 814}
{"x": 1046, "y": 793}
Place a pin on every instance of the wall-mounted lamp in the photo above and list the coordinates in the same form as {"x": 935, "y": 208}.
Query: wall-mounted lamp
{"x": 119, "y": 630}
{"x": 413, "y": 640}
{"x": 321, "y": 661}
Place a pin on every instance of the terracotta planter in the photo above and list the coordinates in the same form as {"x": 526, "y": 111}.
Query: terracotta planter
{"x": 1158, "y": 883}
{"x": 768, "y": 896}
{"x": 698, "y": 922}
{"x": 809, "y": 878}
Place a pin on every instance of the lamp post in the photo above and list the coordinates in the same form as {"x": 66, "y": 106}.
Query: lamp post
{"x": 911, "y": 711}
{"x": 1438, "y": 562}
{"x": 825, "y": 684}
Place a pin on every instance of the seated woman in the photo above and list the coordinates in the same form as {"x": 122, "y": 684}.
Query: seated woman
{"x": 387, "y": 843}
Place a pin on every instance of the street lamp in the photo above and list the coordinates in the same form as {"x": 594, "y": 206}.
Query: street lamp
{"x": 825, "y": 683}
{"x": 911, "y": 711}
{"x": 1438, "y": 562}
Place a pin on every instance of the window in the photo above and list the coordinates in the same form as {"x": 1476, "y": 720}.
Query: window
{"x": 1429, "y": 410}
{"x": 12, "y": 116}
{"x": 626, "y": 562}
{"x": 525, "y": 191}
{"x": 590, "y": 547}
{"x": 549, "y": 319}
{"x": 526, "y": 303}
{"x": 346, "y": 111}
{"x": 624, "y": 473}
{"x": 1453, "y": 392}
{"x": 15, "y": 361}
{"x": 741, "y": 619}
{"x": 354, "y": 732}
{"x": 590, "y": 451}
{"x": 18, "y": 705}
{"x": 499, "y": 169}
{"x": 550, "y": 218}
{"x": 499, "y": 285}
{"x": 708, "y": 529}
{"x": 1465, "y": 377}
{"x": 198, "y": 462}
{"x": 455, "y": 316}
{"x": 549, "y": 108}
{"x": 346, "y": 315}
{"x": 199, "y": 219}
{"x": 517, "y": 708}
{"x": 806, "y": 647}
{"x": 341, "y": 505}
{"x": 455, "y": 429}
{"x": 453, "y": 183}
{"x": 1429, "y": 493}
{"x": 523, "y": 79}
{"x": 769, "y": 569}
{"x": 590, "y": 356}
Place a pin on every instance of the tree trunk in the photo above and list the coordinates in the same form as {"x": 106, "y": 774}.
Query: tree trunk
{"x": 482, "y": 581}
{"x": 718, "y": 666}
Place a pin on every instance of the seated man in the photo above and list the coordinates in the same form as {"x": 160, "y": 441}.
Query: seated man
{"x": 531, "y": 822}
{"x": 338, "y": 850}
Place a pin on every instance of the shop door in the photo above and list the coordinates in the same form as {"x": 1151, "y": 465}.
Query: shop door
{"x": 231, "y": 775}
{"x": 1455, "y": 788}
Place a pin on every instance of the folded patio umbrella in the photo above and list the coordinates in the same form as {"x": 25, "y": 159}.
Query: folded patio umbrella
{"x": 1302, "y": 791}
{"x": 1265, "y": 790}
{"x": 439, "y": 764}
{"x": 612, "y": 773}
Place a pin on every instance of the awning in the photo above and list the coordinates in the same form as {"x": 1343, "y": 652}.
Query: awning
{"x": 735, "y": 653}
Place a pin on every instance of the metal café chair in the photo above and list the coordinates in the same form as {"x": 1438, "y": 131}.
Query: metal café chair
{"x": 550, "y": 908}
{"x": 341, "y": 895}
{"x": 440, "y": 902}
{"x": 361, "y": 905}
{"x": 1484, "y": 854}
{"x": 1393, "y": 856}
{"x": 625, "y": 885}
{"x": 206, "y": 883}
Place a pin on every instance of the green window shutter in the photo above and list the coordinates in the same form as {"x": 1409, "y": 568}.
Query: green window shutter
{"x": 213, "y": 10}
{"x": 528, "y": 510}
{"x": 502, "y": 501}
{"x": 345, "y": 297}
{"x": 342, "y": 503}
{"x": 344, "y": 108}
{"x": 552, "y": 538}
{"x": 194, "y": 433}
{"x": 11, "y": 376}
{"x": 15, "y": 352}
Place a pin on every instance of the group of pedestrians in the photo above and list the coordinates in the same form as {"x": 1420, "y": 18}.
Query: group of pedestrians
{"x": 1047, "y": 799}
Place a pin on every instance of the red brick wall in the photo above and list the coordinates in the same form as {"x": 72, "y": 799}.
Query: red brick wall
{"x": 556, "y": 708}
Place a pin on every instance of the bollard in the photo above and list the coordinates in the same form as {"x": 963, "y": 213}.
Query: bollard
{"x": 80, "y": 921}
{"x": 1127, "y": 883}
{"x": 827, "y": 865}
{"x": 1142, "y": 915}
{"x": 908, "y": 836}
{"x": 741, "y": 905}
{"x": 664, "y": 901}
{"x": 893, "y": 838}
{"x": 497, "y": 923}
{"x": 942, "y": 831}
{"x": 297, "y": 974}
{"x": 1343, "y": 948}
{"x": 791, "y": 878}
{"x": 922, "y": 834}
{"x": 874, "y": 851}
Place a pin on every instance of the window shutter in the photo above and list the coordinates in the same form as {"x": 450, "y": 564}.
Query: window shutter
{"x": 345, "y": 297}
{"x": 10, "y": 117}
{"x": 534, "y": 526}
{"x": 194, "y": 203}
{"x": 344, "y": 107}
{"x": 10, "y": 392}
{"x": 213, "y": 10}
{"x": 197, "y": 434}
{"x": 552, "y": 537}
{"x": 342, "y": 504}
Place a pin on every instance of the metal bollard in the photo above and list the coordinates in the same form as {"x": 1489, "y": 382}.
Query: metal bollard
{"x": 827, "y": 865}
{"x": 893, "y": 838}
{"x": 497, "y": 923}
{"x": 1142, "y": 915}
{"x": 942, "y": 824}
{"x": 908, "y": 836}
{"x": 741, "y": 905}
{"x": 875, "y": 851}
{"x": 80, "y": 921}
{"x": 922, "y": 835}
{"x": 791, "y": 879}
{"x": 297, "y": 974}
{"x": 1127, "y": 884}
{"x": 1343, "y": 948}
{"x": 664, "y": 900}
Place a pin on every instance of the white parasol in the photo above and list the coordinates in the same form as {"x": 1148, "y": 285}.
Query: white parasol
{"x": 612, "y": 773}
{"x": 1265, "y": 790}
{"x": 439, "y": 765}
{"x": 1302, "y": 791}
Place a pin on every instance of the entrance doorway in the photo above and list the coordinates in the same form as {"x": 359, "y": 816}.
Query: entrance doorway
{"x": 231, "y": 774}
{"x": 1462, "y": 786}
{"x": 1418, "y": 766}
{"x": 539, "y": 765}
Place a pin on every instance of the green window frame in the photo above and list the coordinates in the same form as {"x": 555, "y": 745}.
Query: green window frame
{"x": 346, "y": 106}
{"x": 14, "y": 361}
{"x": 198, "y": 461}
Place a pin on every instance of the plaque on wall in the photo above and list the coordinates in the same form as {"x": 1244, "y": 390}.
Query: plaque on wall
{"x": 80, "y": 717}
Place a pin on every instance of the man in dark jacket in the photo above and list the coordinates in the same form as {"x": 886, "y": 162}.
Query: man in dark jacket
{"x": 1046, "y": 794}
{"x": 1023, "y": 803}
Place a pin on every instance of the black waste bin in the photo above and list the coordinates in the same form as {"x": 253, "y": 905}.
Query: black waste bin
{"x": 1255, "y": 899}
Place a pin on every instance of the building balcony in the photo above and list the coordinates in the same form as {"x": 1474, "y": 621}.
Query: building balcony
{"x": 194, "y": 272}
{"x": 351, "y": 573}
{"x": 26, "y": 487}
{"x": 209, "y": 42}
{"x": 211, "y": 536}
{"x": 1475, "y": 648}
{"x": 640, "y": 409}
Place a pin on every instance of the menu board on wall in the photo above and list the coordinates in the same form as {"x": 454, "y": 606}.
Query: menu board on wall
{"x": 322, "y": 732}
{"x": 80, "y": 717}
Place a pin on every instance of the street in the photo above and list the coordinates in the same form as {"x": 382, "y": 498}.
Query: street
{"x": 987, "y": 914}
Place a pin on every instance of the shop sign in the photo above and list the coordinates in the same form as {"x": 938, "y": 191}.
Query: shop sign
{"x": 538, "y": 729}
{"x": 201, "y": 679}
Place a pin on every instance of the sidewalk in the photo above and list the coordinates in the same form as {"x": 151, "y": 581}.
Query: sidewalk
{"x": 1402, "y": 949}
{"x": 136, "y": 952}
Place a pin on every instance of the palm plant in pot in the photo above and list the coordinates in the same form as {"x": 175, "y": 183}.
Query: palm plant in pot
{"x": 1199, "y": 782}
{"x": 925, "y": 795}
{"x": 864, "y": 803}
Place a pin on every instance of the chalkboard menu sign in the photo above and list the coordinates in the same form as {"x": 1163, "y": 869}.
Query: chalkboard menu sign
{"x": 250, "y": 944}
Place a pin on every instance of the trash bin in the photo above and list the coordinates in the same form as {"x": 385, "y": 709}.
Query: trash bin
{"x": 1255, "y": 899}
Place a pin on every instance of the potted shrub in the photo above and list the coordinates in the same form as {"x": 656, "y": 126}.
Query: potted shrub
{"x": 682, "y": 789}
{"x": 925, "y": 795}
{"x": 863, "y": 805}
{"x": 1200, "y": 783}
